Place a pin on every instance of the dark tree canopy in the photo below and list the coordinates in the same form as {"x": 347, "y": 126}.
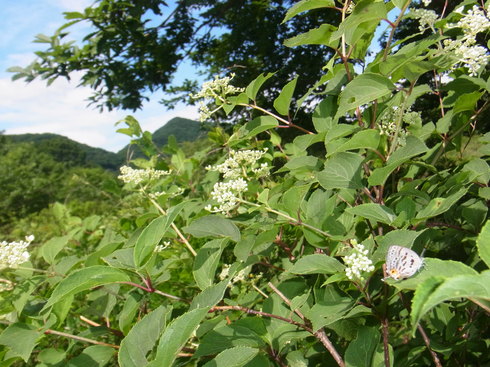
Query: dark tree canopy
{"x": 136, "y": 46}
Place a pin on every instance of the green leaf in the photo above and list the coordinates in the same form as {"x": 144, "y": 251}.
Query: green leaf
{"x": 323, "y": 116}
{"x": 479, "y": 170}
{"x": 21, "y": 339}
{"x": 52, "y": 247}
{"x": 84, "y": 279}
{"x": 130, "y": 307}
{"x": 363, "y": 89}
{"x": 152, "y": 234}
{"x": 361, "y": 350}
{"x": 283, "y": 101}
{"x": 213, "y": 226}
{"x": 206, "y": 262}
{"x": 342, "y": 171}
{"x": 463, "y": 286}
{"x": 211, "y": 295}
{"x": 412, "y": 148}
{"x": 256, "y": 126}
{"x": 438, "y": 206}
{"x": 317, "y": 36}
{"x": 317, "y": 264}
{"x": 233, "y": 357}
{"x": 142, "y": 338}
{"x": 364, "y": 139}
{"x": 95, "y": 355}
{"x": 483, "y": 243}
{"x": 376, "y": 212}
{"x": 365, "y": 16}
{"x": 176, "y": 335}
{"x": 433, "y": 268}
{"x": 255, "y": 85}
{"x": 305, "y": 5}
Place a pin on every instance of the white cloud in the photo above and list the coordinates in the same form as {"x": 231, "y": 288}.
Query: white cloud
{"x": 62, "y": 109}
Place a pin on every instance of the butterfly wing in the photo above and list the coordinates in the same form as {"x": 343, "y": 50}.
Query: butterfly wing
{"x": 402, "y": 262}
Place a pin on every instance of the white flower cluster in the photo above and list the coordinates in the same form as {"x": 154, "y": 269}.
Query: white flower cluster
{"x": 12, "y": 254}
{"x": 217, "y": 90}
{"x": 240, "y": 162}
{"x": 240, "y": 165}
{"x": 357, "y": 262}
{"x": 472, "y": 56}
{"x": 427, "y": 18}
{"x": 227, "y": 195}
{"x": 136, "y": 176}
{"x": 426, "y": 2}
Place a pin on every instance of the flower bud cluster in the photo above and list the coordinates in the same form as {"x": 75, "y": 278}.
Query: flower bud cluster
{"x": 136, "y": 176}
{"x": 240, "y": 162}
{"x": 12, "y": 254}
{"x": 427, "y": 18}
{"x": 239, "y": 166}
{"x": 227, "y": 194}
{"x": 466, "y": 51}
{"x": 357, "y": 262}
{"x": 216, "y": 90}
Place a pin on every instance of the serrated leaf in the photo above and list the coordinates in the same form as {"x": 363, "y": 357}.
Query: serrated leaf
{"x": 233, "y": 357}
{"x": 342, "y": 171}
{"x": 142, "y": 338}
{"x": 317, "y": 264}
{"x": 433, "y": 268}
{"x": 85, "y": 279}
{"x": 176, "y": 335}
{"x": 462, "y": 286}
{"x": 21, "y": 339}
{"x": 206, "y": 262}
{"x": 213, "y": 226}
{"x": 376, "y": 212}
{"x": 305, "y": 5}
{"x": 211, "y": 295}
{"x": 363, "y": 89}
{"x": 283, "y": 101}
{"x": 483, "y": 244}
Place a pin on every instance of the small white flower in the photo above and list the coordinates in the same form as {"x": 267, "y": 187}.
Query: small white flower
{"x": 136, "y": 176}
{"x": 12, "y": 254}
{"x": 427, "y": 18}
{"x": 357, "y": 262}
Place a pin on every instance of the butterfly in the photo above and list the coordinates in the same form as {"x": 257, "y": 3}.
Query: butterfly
{"x": 401, "y": 262}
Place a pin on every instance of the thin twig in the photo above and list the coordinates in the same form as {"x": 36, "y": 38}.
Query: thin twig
{"x": 79, "y": 338}
{"x": 436, "y": 360}
{"x": 319, "y": 334}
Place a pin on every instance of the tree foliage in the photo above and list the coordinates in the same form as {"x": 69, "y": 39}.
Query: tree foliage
{"x": 135, "y": 47}
{"x": 253, "y": 251}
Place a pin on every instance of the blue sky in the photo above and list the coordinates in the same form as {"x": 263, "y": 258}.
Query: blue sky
{"x": 62, "y": 107}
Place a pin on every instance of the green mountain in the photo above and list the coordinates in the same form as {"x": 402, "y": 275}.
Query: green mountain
{"x": 63, "y": 149}
{"x": 183, "y": 129}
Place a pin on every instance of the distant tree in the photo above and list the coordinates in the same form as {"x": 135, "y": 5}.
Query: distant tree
{"x": 135, "y": 47}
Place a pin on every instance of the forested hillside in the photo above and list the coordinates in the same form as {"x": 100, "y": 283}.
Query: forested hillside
{"x": 37, "y": 170}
